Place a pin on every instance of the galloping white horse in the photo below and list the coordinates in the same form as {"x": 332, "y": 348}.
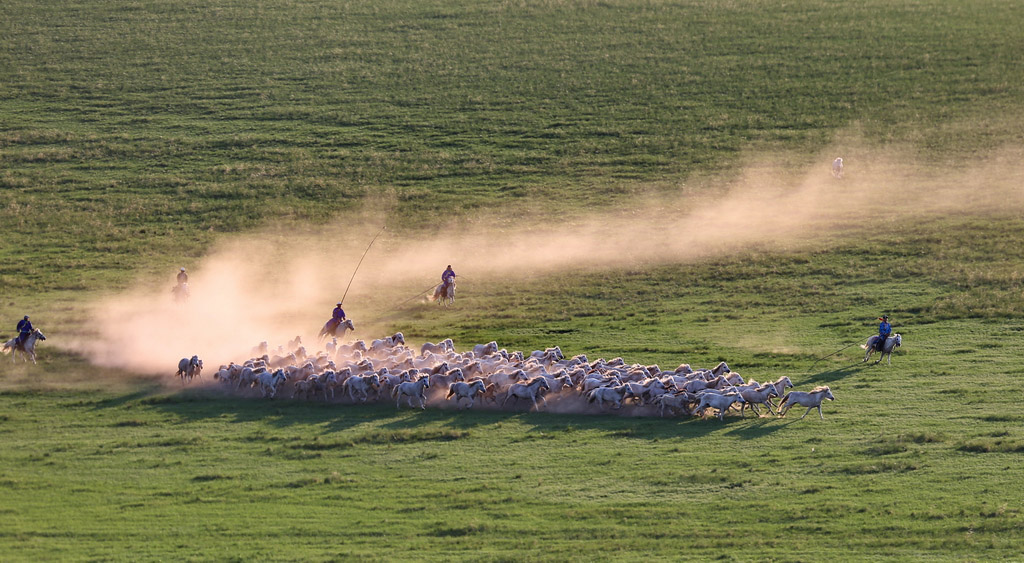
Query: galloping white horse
{"x": 809, "y": 399}
{"x": 28, "y": 348}
{"x": 189, "y": 368}
{"x": 718, "y": 402}
{"x": 529, "y": 391}
{"x": 462, "y": 390}
{"x": 894, "y": 341}
{"x": 444, "y": 293}
{"x": 331, "y": 329}
{"x": 412, "y": 389}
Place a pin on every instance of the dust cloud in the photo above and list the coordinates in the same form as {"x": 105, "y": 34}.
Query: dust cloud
{"x": 283, "y": 282}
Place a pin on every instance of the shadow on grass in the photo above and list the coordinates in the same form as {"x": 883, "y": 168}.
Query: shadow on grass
{"x": 757, "y": 428}
{"x": 149, "y": 389}
{"x": 837, "y": 374}
{"x": 325, "y": 418}
{"x": 624, "y": 426}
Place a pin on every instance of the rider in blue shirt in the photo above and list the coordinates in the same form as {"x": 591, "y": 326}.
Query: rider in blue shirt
{"x": 884, "y": 330}
{"x": 448, "y": 275}
{"x": 338, "y": 316}
{"x": 24, "y": 329}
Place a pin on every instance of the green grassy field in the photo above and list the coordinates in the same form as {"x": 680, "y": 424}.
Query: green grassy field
{"x": 136, "y": 136}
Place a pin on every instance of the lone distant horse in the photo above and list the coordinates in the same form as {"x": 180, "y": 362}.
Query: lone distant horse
{"x": 180, "y": 293}
{"x": 28, "y": 348}
{"x": 894, "y": 341}
{"x": 444, "y": 293}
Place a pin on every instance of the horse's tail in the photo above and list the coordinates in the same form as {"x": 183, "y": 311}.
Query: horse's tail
{"x": 785, "y": 399}
{"x": 433, "y": 296}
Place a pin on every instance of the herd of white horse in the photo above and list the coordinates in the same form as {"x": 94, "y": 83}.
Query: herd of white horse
{"x": 493, "y": 378}
{"x": 387, "y": 369}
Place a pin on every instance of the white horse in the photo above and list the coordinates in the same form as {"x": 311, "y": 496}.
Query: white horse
{"x": 444, "y": 293}
{"x": 809, "y": 399}
{"x": 759, "y": 396}
{"x": 716, "y": 401}
{"x": 894, "y": 341}
{"x": 361, "y": 385}
{"x": 528, "y": 391}
{"x": 331, "y": 329}
{"x": 412, "y": 389}
{"x": 781, "y": 384}
{"x": 325, "y": 382}
{"x": 269, "y": 383}
{"x": 28, "y": 348}
{"x": 441, "y": 347}
{"x": 680, "y": 402}
{"x": 189, "y": 368}
{"x": 462, "y": 390}
{"x": 613, "y": 395}
{"x": 837, "y": 167}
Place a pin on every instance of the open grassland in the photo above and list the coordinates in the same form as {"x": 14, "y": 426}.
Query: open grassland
{"x": 135, "y": 134}
{"x": 149, "y": 127}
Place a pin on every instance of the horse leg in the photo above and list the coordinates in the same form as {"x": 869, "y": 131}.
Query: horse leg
{"x": 805, "y": 414}
{"x": 819, "y": 412}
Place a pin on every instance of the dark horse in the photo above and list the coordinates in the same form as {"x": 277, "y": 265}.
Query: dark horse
{"x": 180, "y": 293}
{"x": 332, "y": 326}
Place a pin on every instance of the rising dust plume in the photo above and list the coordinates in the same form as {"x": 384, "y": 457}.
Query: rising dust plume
{"x": 273, "y": 286}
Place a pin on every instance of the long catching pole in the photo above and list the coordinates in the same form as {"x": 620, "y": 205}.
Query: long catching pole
{"x": 361, "y": 263}
{"x": 834, "y": 353}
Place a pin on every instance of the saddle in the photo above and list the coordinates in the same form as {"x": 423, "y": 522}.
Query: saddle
{"x": 880, "y": 344}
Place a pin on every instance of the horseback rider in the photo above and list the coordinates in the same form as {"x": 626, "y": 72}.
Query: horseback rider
{"x": 182, "y": 277}
{"x": 884, "y": 330}
{"x": 338, "y": 315}
{"x": 448, "y": 276}
{"x": 24, "y": 329}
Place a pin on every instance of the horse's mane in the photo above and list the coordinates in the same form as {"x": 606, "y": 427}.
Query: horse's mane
{"x": 820, "y": 388}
